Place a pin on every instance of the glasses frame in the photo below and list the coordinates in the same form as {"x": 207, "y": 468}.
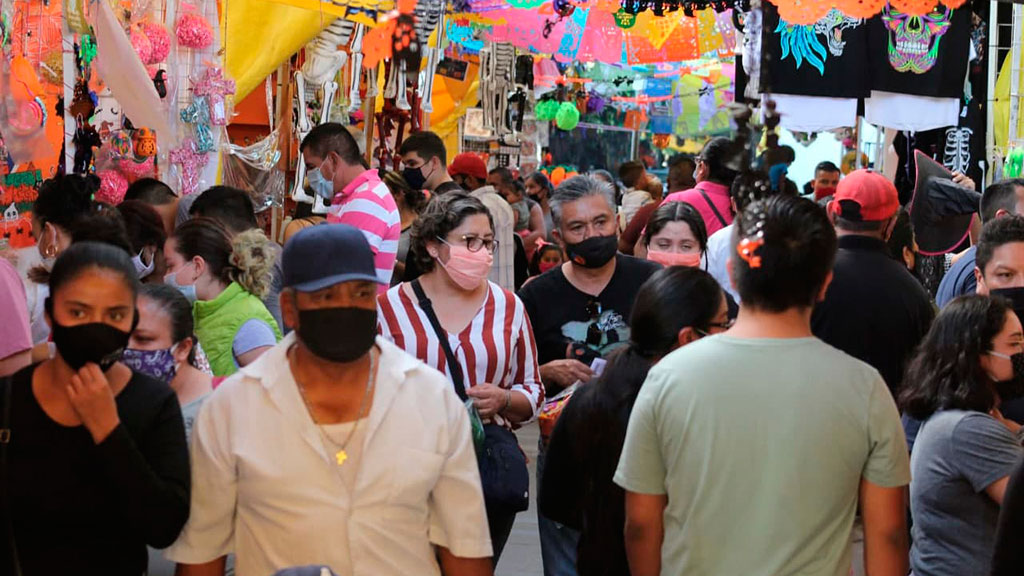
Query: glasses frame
{"x": 490, "y": 244}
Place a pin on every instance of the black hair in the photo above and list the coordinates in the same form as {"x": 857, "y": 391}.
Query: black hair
{"x": 231, "y": 207}
{"x": 1000, "y": 195}
{"x": 443, "y": 214}
{"x": 945, "y": 372}
{"x": 749, "y": 187}
{"x": 718, "y": 154}
{"x": 151, "y": 191}
{"x": 677, "y": 212}
{"x": 426, "y": 145}
{"x": 62, "y": 199}
{"x": 850, "y": 225}
{"x": 902, "y": 236}
{"x": 996, "y": 233}
{"x": 792, "y": 246}
{"x": 414, "y": 200}
{"x": 82, "y": 256}
{"x": 680, "y": 160}
{"x": 244, "y": 259}
{"x": 143, "y": 224}
{"x": 606, "y": 176}
{"x": 630, "y": 172}
{"x": 178, "y": 309}
{"x": 103, "y": 223}
{"x": 541, "y": 179}
{"x": 539, "y": 253}
{"x": 507, "y": 179}
{"x": 825, "y": 166}
{"x": 333, "y": 137}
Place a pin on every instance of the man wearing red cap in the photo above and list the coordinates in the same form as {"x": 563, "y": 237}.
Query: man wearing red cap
{"x": 875, "y": 310}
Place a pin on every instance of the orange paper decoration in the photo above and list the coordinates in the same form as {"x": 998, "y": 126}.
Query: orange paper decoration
{"x": 377, "y": 44}
{"x": 806, "y": 12}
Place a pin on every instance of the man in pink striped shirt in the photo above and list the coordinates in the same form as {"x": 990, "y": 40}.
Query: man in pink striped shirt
{"x": 358, "y": 197}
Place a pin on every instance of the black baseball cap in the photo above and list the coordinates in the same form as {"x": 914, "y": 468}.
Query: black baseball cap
{"x": 322, "y": 256}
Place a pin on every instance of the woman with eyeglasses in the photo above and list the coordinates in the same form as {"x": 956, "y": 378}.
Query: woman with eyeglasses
{"x": 484, "y": 327}
{"x": 969, "y": 362}
{"x": 673, "y": 308}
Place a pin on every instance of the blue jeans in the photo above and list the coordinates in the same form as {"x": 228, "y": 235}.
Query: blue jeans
{"x": 558, "y": 543}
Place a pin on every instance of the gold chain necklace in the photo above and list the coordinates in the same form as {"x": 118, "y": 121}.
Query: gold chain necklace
{"x": 341, "y": 454}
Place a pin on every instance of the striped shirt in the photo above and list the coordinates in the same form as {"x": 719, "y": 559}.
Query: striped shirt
{"x": 367, "y": 204}
{"x": 497, "y": 346}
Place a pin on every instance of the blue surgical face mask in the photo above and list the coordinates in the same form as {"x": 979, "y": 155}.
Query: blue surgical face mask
{"x": 320, "y": 185}
{"x": 159, "y": 364}
{"x": 189, "y": 291}
{"x": 141, "y": 268}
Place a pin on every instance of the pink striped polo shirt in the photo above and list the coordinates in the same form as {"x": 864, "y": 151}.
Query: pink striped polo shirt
{"x": 367, "y": 204}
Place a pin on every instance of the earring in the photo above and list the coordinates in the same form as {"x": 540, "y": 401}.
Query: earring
{"x": 50, "y": 251}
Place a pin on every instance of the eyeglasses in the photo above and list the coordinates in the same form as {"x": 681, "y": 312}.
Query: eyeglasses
{"x": 475, "y": 243}
{"x": 720, "y": 325}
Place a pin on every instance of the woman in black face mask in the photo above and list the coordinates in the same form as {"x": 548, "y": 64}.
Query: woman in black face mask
{"x": 95, "y": 465}
{"x": 964, "y": 451}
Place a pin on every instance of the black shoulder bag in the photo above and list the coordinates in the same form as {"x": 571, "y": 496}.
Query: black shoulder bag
{"x": 713, "y": 208}
{"x": 5, "y": 440}
{"x": 503, "y": 473}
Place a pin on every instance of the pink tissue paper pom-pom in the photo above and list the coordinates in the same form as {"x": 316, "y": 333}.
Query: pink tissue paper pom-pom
{"x": 152, "y": 70}
{"x": 160, "y": 39}
{"x": 143, "y": 47}
{"x": 112, "y": 187}
{"x": 134, "y": 170}
{"x": 194, "y": 31}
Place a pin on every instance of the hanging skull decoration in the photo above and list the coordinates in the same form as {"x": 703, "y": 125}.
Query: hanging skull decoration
{"x": 914, "y": 40}
{"x": 832, "y": 26}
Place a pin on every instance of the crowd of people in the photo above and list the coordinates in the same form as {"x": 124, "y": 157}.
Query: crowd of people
{"x": 728, "y": 377}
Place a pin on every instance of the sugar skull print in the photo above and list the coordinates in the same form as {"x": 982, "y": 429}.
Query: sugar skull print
{"x": 914, "y": 40}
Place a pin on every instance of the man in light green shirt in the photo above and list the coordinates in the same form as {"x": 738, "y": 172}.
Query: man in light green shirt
{"x": 747, "y": 452}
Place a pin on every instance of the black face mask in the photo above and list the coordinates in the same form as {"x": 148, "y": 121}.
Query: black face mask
{"x": 414, "y": 177}
{"x": 338, "y": 334}
{"x": 1014, "y": 387}
{"x": 99, "y": 343}
{"x": 593, "y": 252}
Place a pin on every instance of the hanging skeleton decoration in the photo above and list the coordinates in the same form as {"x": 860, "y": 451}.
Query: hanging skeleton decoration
{"x": 957, "y": 155}
{"x": 497, "y": 62}
{"x": 428, "y": 17}
{"x": 323, "y": 62}
{"x": 355, "y": 102}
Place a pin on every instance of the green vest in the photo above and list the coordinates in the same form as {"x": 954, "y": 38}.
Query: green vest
{"x": 218, "y": 321}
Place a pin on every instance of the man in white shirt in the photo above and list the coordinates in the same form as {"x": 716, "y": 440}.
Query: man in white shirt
{"x": 471, "y": 172}
{"x": 335, "y": 448}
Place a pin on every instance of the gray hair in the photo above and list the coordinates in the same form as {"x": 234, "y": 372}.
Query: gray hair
{"x": 576, "y": 188}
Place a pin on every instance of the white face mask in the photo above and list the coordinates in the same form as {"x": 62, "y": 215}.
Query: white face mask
{"x": 142, "y": 270}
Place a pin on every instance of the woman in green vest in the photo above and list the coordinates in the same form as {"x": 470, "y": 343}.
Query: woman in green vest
{"x": 225, "y": 280}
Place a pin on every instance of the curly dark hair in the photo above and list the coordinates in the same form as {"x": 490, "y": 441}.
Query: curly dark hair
{"x": 443, "y": 213}
{"x": 946, "y": 373}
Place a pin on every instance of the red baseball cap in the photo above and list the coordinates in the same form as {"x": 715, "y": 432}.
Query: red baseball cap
{"x": 469, "y": 165}
{"x": 865, "y": 196}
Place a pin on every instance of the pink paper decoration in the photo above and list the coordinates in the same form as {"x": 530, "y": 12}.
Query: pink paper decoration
{"x": 160, "y": 39}
{"x": 194, "y": 31}
{"x": 112, "y": 187}
{"x": 142, "y": 46}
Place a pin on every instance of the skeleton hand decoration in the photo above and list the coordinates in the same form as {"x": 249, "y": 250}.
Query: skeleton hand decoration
{"x": 324, "y": 59}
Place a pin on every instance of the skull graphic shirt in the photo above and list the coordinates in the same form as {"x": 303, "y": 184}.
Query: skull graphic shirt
{"x": 920, "y": 55}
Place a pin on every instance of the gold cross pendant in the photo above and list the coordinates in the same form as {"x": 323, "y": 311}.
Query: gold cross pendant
{"x": 341, "y": 456}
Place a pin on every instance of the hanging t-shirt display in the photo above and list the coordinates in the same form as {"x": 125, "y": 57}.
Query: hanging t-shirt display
{"x": 920, "y": 55}
{"x": 827, "y": 58}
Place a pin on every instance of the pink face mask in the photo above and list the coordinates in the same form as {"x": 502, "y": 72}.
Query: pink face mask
{"x": 467, "y": 269}
{"x": 691, "y": 260}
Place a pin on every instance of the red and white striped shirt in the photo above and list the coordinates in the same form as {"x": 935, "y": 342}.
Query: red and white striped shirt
{"x": 367, "y": 204}
{"x": 497, "y": 346}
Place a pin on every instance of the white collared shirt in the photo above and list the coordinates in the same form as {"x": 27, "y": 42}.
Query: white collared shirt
{"x": 265, "y": 486}
{"x": 503, "y": 270}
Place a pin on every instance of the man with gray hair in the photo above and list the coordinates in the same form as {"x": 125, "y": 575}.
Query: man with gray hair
{"x": 580, "y": 312}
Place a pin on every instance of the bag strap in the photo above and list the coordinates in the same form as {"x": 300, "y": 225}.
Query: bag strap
{"x": 713, "y": 207}
{"x": 5, "y": 440}
{"x": 453, "y": 363}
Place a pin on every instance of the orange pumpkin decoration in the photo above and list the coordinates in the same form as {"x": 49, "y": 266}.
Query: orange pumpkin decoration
{"x": 145, "y": 143}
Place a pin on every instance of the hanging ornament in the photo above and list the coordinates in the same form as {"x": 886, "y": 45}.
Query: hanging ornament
{"x": 159, "y": 39}
{"x": 661, "y": 141}
{"x": 192, "y": 30}
{"x": 145, "y": 143}
{"x": 112, "y": 187}
{"x": 567, "y": 116}
{"x": 546, "y": 110}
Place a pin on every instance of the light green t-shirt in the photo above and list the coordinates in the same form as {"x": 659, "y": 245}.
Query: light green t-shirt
{"x": 760, "y": 446}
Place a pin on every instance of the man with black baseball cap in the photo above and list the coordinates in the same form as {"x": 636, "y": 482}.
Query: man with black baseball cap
{"x": 334, "y": 448}
{"x": 874, "y": 310}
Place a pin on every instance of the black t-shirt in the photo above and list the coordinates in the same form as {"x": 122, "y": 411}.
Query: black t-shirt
{"x": 827, "y": 58}
{"x": 922, "y": 56}
{"x": 447, "y": 187}
{"x": 874, "y": 309}
{"x": 82, "y": 508}
{"x": 562, "y": 315}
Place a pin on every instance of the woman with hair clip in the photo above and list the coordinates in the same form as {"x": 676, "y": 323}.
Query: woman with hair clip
{"x": 95, "y": 463}
{"x": 225, "y": 280}
{"x": 674, "y": 307}
{"x": 971, "y": 360}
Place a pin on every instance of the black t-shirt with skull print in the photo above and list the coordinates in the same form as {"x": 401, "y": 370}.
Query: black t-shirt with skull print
{"x": 827, "y": 58}
{"x": 920, "y": 55}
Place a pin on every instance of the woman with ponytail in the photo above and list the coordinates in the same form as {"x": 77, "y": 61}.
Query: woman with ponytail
{"x": 674, "y": 307}
{"x": 225, "y": 279}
